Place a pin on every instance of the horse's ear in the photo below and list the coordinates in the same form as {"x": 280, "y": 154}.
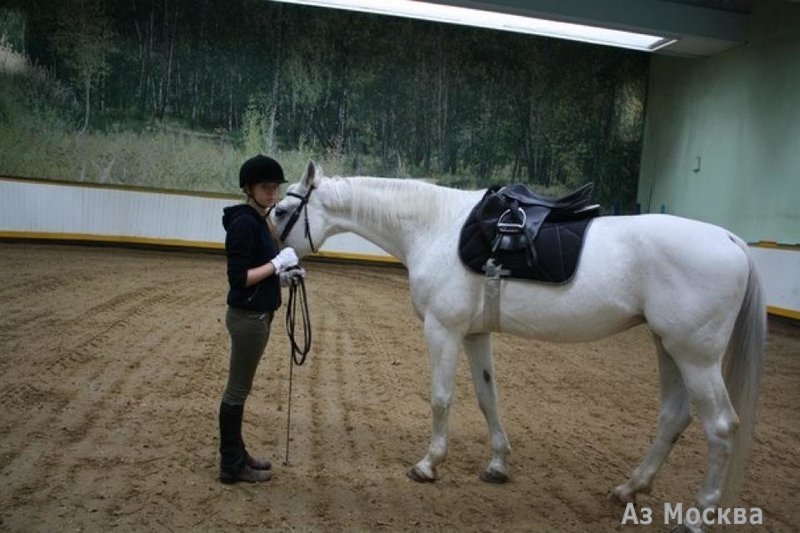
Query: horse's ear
{"x": 312, "y": 174}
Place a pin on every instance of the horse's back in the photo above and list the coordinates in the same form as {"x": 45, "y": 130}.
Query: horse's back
{"x": 681, "y": 273}
{"x": 673, "y": 250}
{"x": 658, "y": 268}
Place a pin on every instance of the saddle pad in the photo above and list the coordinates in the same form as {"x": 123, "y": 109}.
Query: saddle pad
{"x": 558, "y": 248}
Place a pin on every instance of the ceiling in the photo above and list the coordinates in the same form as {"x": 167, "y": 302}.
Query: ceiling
{"x": 740, "y": 6}
{"x": 702, "y": 27}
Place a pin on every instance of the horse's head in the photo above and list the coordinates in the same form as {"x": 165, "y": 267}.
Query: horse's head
{"x": 299, "y": 217}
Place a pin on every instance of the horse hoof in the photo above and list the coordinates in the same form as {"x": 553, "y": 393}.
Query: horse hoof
{"x": 619, "y": 498}
{"x": 415, "y": 475}
{"x": 493, "y": 476}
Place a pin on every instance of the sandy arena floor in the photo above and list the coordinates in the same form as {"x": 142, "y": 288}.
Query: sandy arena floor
{"x": 113, "y": 362}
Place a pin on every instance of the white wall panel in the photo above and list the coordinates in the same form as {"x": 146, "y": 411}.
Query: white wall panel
{"x": 57, "y": 210}
{"x": 64, "y": 209}
{"x": 780, "y": 274}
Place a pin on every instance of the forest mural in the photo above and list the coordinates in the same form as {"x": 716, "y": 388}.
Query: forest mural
{"x": 177, "y": 93}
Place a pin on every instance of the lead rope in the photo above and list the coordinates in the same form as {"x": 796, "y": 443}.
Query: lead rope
{"x": 298, "y": 354}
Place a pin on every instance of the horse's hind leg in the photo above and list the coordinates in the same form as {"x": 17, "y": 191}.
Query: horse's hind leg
{"x": 708, "y": 393}
{"x": 674, "y": 418}
{"x": 444, "y": 347}
{"x": 479, "y": 354}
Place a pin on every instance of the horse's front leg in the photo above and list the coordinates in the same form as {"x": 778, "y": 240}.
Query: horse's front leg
{"x": 444, "y": 347}
{"x": 479, "y": 355}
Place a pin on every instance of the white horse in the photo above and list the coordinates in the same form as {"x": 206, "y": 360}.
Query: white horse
{"x": 693, "y": 283}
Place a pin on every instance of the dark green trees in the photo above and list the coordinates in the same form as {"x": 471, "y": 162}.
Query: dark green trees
{"x": 385, "y": 96}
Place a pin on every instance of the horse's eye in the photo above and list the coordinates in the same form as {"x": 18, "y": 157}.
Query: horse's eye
{"x": 279, "y": 211}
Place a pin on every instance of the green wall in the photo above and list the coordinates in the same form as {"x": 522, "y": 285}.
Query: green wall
{"x": 739, "y": 112}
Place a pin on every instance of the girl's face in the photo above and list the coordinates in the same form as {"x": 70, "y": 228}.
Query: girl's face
{"x": 265, "y": 193}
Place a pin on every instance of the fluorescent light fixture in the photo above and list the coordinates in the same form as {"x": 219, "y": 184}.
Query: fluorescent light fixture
{"x": 499, "y": 21}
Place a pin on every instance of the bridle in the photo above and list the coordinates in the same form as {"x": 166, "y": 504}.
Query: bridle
{"x": 301, "y": 207}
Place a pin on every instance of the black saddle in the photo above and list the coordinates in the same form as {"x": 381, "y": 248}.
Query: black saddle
{"x": 527, "y": 235}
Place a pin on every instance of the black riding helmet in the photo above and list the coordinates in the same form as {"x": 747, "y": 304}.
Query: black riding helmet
{"x": 260, "y": 169}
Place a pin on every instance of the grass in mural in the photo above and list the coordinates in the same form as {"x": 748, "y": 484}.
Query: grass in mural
{"x": 40, "y": 137}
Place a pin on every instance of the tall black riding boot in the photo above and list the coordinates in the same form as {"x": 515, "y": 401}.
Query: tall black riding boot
{"x": 252, "y": 462}
{"x": 233, "y": 462}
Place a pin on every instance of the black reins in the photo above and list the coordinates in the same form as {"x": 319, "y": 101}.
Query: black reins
{"x": 297, "y": 296}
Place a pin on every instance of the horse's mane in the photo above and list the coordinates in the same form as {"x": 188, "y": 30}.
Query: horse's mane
{"x": 385, "y": 202}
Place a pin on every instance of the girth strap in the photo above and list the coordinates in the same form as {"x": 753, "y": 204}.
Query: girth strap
{"x": 491, "y": 295}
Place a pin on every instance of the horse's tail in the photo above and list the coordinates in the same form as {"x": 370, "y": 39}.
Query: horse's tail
{"x": 743, "y": 366}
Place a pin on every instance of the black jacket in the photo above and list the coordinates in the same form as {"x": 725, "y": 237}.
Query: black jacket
{"x": 249, "y": 244}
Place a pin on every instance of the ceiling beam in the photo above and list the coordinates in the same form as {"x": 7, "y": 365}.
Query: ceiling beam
{"x": 700, "y": 31}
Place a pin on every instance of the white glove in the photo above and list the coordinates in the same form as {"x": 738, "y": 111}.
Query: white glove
{"x": 287, "y": 258}
{"x": 290, "y": 277}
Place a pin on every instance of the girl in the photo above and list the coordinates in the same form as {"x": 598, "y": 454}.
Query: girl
{"x": 256, "y": 267}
